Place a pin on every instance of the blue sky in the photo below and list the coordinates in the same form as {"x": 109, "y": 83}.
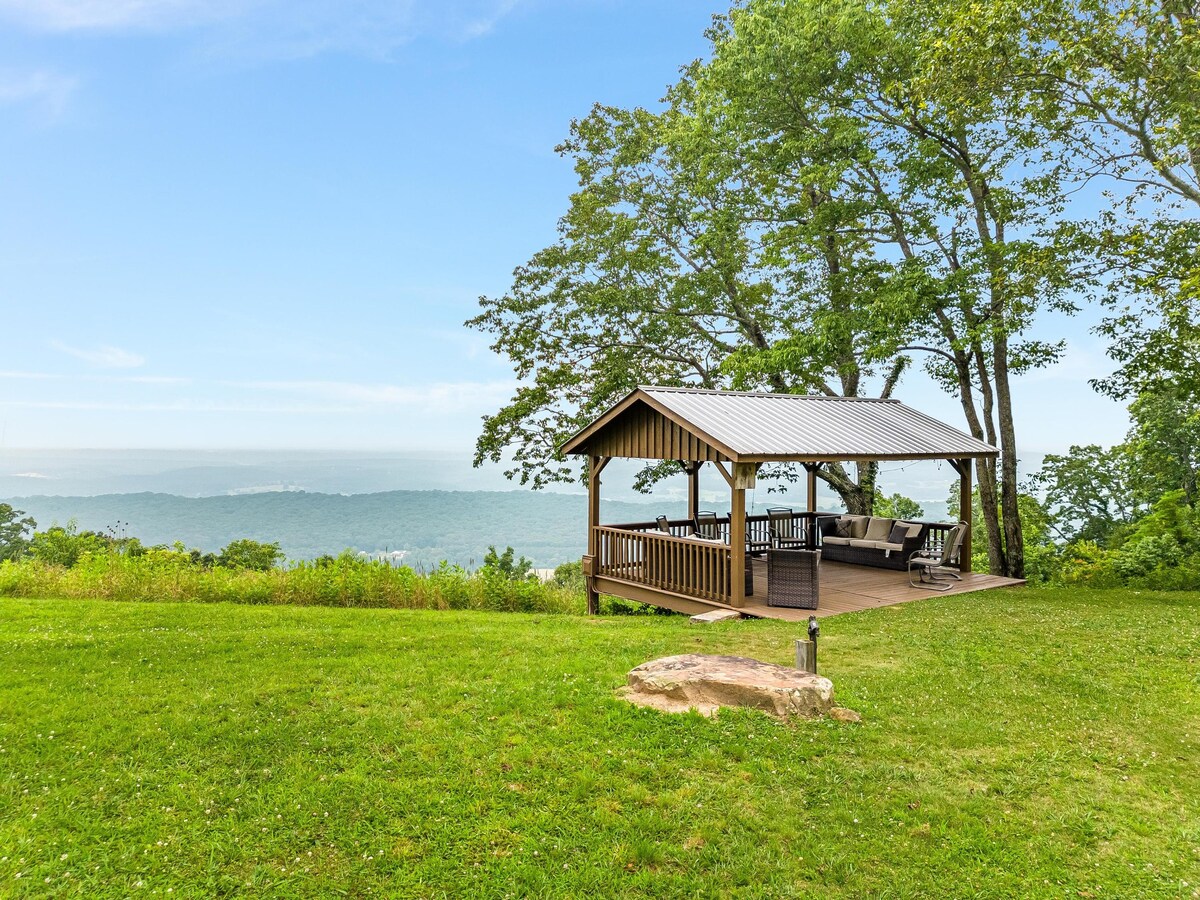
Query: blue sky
{"x": 261, "y": 223}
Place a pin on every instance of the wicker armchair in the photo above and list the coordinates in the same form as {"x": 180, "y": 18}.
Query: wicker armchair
{"x": 933, "y": 571}
{"x": 793, "y": 579}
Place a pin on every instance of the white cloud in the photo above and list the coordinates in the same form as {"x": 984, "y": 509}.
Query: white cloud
{"x": 106, "y": 357}
{"x": 47, "y": 90}
{"x": 76, "y": 15}
{"x": 274, "y": 28}
{"x": 443, "y": 397}
{"x": 105, "y": 379}
{"x": 483, "y": 24}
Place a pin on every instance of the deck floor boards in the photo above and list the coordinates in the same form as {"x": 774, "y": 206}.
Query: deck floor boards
{"x": 845, "y": 587}
{"x": 849, "y": 588}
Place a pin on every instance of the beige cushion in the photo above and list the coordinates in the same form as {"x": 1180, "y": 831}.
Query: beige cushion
{"x": 892, "y": 548}
{"x": 863, "y": 544}
{"x": 834, "y": 539}
{"x": 879, "y": 529}
{"x": 858, "y": 525}
{"x": 913, "y": 529}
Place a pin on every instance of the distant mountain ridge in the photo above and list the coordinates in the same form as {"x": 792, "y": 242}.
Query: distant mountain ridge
{"x": 427, "y": 526}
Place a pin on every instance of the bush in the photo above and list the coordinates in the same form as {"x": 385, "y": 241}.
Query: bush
{"x": 253, "y": 556}
{"x": 1159, "y": 552}
{"x": 570, "y": 575}
{"x": 65, "y": 545}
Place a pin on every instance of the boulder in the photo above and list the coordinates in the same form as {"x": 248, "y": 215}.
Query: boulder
{"x": 716, "y": 615}
{"x": 706, "y": 683}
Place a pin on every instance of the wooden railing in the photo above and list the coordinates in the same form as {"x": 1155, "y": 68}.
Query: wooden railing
{"x": 936, "y": 541}
{"x": 757, "y": 527}
{"x": 683, "y": 566}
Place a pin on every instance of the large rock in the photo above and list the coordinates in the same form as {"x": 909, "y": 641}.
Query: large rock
{"x": 706, "y": 683}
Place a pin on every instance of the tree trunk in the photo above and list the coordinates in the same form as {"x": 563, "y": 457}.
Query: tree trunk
{"x": 1014, "y": 539}
{"x": 985, "y": 469}
{"x": 857, "y": 497}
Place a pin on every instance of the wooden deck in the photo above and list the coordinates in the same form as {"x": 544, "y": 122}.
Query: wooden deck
{"x": 844, "y": 588}
{"x": 850, "y": 588}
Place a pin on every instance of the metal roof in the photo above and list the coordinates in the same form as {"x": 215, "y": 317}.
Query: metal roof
{"x": 758, "y": 427}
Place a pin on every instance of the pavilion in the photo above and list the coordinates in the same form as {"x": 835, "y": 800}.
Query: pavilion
{"x": 737, "y": 432}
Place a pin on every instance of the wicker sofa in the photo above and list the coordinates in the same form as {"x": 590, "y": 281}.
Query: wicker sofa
{"x": 871, "y": 540}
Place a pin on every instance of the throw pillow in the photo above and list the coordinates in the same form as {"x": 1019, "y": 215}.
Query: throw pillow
{"x": 844, "y": 526}
{"x": 878, "y": 529}
{"x": 828, "y": 525}
{"x": 858, "y": 526}
{"x": 899, "y": 533}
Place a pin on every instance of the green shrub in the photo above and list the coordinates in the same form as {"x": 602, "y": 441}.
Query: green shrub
{"x": 65, "y": 545}
{"x": 254, "y": 556}
{"x": 1161, "y": 551}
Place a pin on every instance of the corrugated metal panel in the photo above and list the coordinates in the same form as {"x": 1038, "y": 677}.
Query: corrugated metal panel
{"x": 644, "y": 433}
{"x": 771, "y": 426}
{"x": 832, "y": 427}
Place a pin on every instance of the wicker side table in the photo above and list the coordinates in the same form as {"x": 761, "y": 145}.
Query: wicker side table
{"x": 792, "y": 578}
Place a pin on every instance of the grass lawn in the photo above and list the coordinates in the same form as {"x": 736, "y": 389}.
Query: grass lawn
{"x": 1031, "y": 743}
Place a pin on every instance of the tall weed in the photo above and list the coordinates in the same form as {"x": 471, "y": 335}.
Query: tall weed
{"x": 345, "y": 581}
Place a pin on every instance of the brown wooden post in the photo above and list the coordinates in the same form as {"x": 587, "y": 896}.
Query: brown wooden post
{"x": 964, "y": 513}
{"x": 737, "y": 549}
{"x": 810, "y": 525}
{"x": 693, "y": 473}
{"x": 743, "y": 478}
{"x": 596, "y": 465}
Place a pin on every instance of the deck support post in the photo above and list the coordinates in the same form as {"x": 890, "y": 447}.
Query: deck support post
{"x": 810, "y": 526}
{"x": 737, "y": 549}
{"x": 963, "y": 467}
{"x": 596, "y": 465}
{"x": 811, "y": 469}
{"x": 692, "y": 468}
{"x": 744, "y": 475}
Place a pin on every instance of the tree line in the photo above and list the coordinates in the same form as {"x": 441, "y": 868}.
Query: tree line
{"x": 843, "y": 189}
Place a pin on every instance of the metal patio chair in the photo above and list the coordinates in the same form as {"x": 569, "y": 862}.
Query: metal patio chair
{"x": 782, "y": 528}
{"x": 934, "y": 571}
{"x": 706, "y": 525}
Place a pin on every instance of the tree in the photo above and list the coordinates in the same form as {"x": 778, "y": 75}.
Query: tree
{"x": 1088, "y": 491}
{"x": 1165, "y": 445}
{"x": 667, "y": 271}
{"x": 1120, "y": 82}
{"x": 14, "y": 526}
{"x": 897, "y": 506}
{"x": 506, "y": 566}
{"x": 952, "y": 176}
{"x": 61, "y": 545}
{"x": 1102, "y": 496}
{"x": 254, "y": 556}
{"x": 1044, "y": 555}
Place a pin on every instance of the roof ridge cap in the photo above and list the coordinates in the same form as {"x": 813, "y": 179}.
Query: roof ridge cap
{"x": 720, "y": 392}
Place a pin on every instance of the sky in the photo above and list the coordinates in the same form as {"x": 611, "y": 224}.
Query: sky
{"x": 262, "y": 223}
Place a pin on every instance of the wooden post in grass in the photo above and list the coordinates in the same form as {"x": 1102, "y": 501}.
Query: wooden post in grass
{"x": 806, "y": 656}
